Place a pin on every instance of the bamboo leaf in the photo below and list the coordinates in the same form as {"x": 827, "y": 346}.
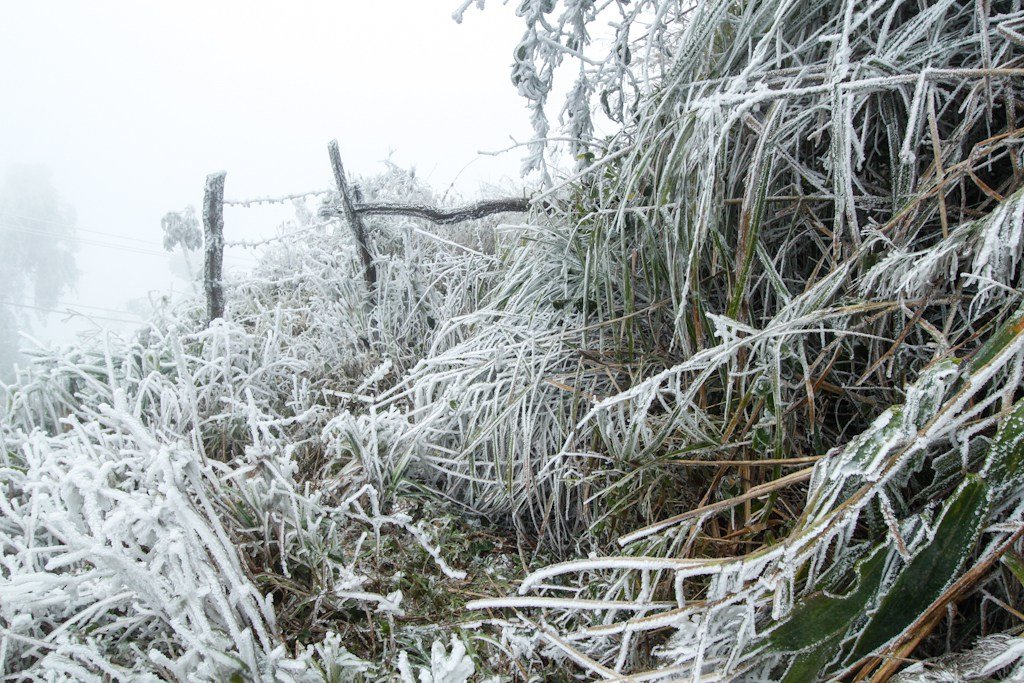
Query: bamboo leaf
{"x": 931, "y": 570}
{"x": 807, "y": 666}
{"x": 998, "y": 342}
{"x": 1003, "y": 466}
{"x": 818, "y": 620}
{"x": 1016, "y": 565}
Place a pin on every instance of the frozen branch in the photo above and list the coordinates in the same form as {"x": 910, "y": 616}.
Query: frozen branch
{"x": 437, "y": 215}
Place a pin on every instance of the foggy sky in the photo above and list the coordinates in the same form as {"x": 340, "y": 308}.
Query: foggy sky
{"x": 131, "y": 104}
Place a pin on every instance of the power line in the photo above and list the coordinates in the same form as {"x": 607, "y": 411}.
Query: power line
{"x": 70, "y": 305}
{"x": 96, "y": 308}
{"x": 73, "y": 312}
{"x": 78, "y": 229}
{"x": 95, "y": 243}
{"x": 99, "y": 243}
{"x": 121, "y": 247}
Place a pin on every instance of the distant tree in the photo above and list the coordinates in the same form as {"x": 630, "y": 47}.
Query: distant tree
{"x": 37, "y": 243}
{"x": 182, "y": 230}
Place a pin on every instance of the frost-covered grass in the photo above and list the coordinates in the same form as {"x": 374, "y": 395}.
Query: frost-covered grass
{"x": 199, "y": 503}
{"x": 742, "y": 401}
{"x": 799, "y": 263}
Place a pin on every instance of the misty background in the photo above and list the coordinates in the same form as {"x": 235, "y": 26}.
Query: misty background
{"x": 115, "y": 112}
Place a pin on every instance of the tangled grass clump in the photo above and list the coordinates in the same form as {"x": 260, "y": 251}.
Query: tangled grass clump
{"x": 795, "y": 359}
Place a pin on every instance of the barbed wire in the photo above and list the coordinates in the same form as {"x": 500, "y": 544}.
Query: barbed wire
{"x": 276, "y": 200}
{"x": 258, "y": 243}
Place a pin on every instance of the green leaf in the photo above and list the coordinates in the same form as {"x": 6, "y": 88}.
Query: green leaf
{"x": 931, "y": 570}
{"x": 1003, "y": 465}
{"x": 1003, "y": 337}
{"x": 1016, "y": 565}
{"x": 808, "y": 666}
{"x": 819, "y": 619}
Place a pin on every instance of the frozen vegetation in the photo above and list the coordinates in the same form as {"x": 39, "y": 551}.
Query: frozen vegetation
{"x": 738, "y": 399}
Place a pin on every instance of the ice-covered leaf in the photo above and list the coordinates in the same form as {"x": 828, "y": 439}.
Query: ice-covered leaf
{"x": 1005, "y": 337}
{"x": 1003, "y": 470}
{"x": 455, "y": 666}
{"x": 931, "y": 570}
{"x": 818, "y": 619}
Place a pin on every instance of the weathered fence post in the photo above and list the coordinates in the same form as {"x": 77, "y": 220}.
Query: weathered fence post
{"x": 354, "y": 221}
{"x": 213, "y": 240}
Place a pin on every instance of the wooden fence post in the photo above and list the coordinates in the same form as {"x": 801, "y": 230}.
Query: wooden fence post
{"x": 213, "y": 241}
{"x": 354, "y": 221}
